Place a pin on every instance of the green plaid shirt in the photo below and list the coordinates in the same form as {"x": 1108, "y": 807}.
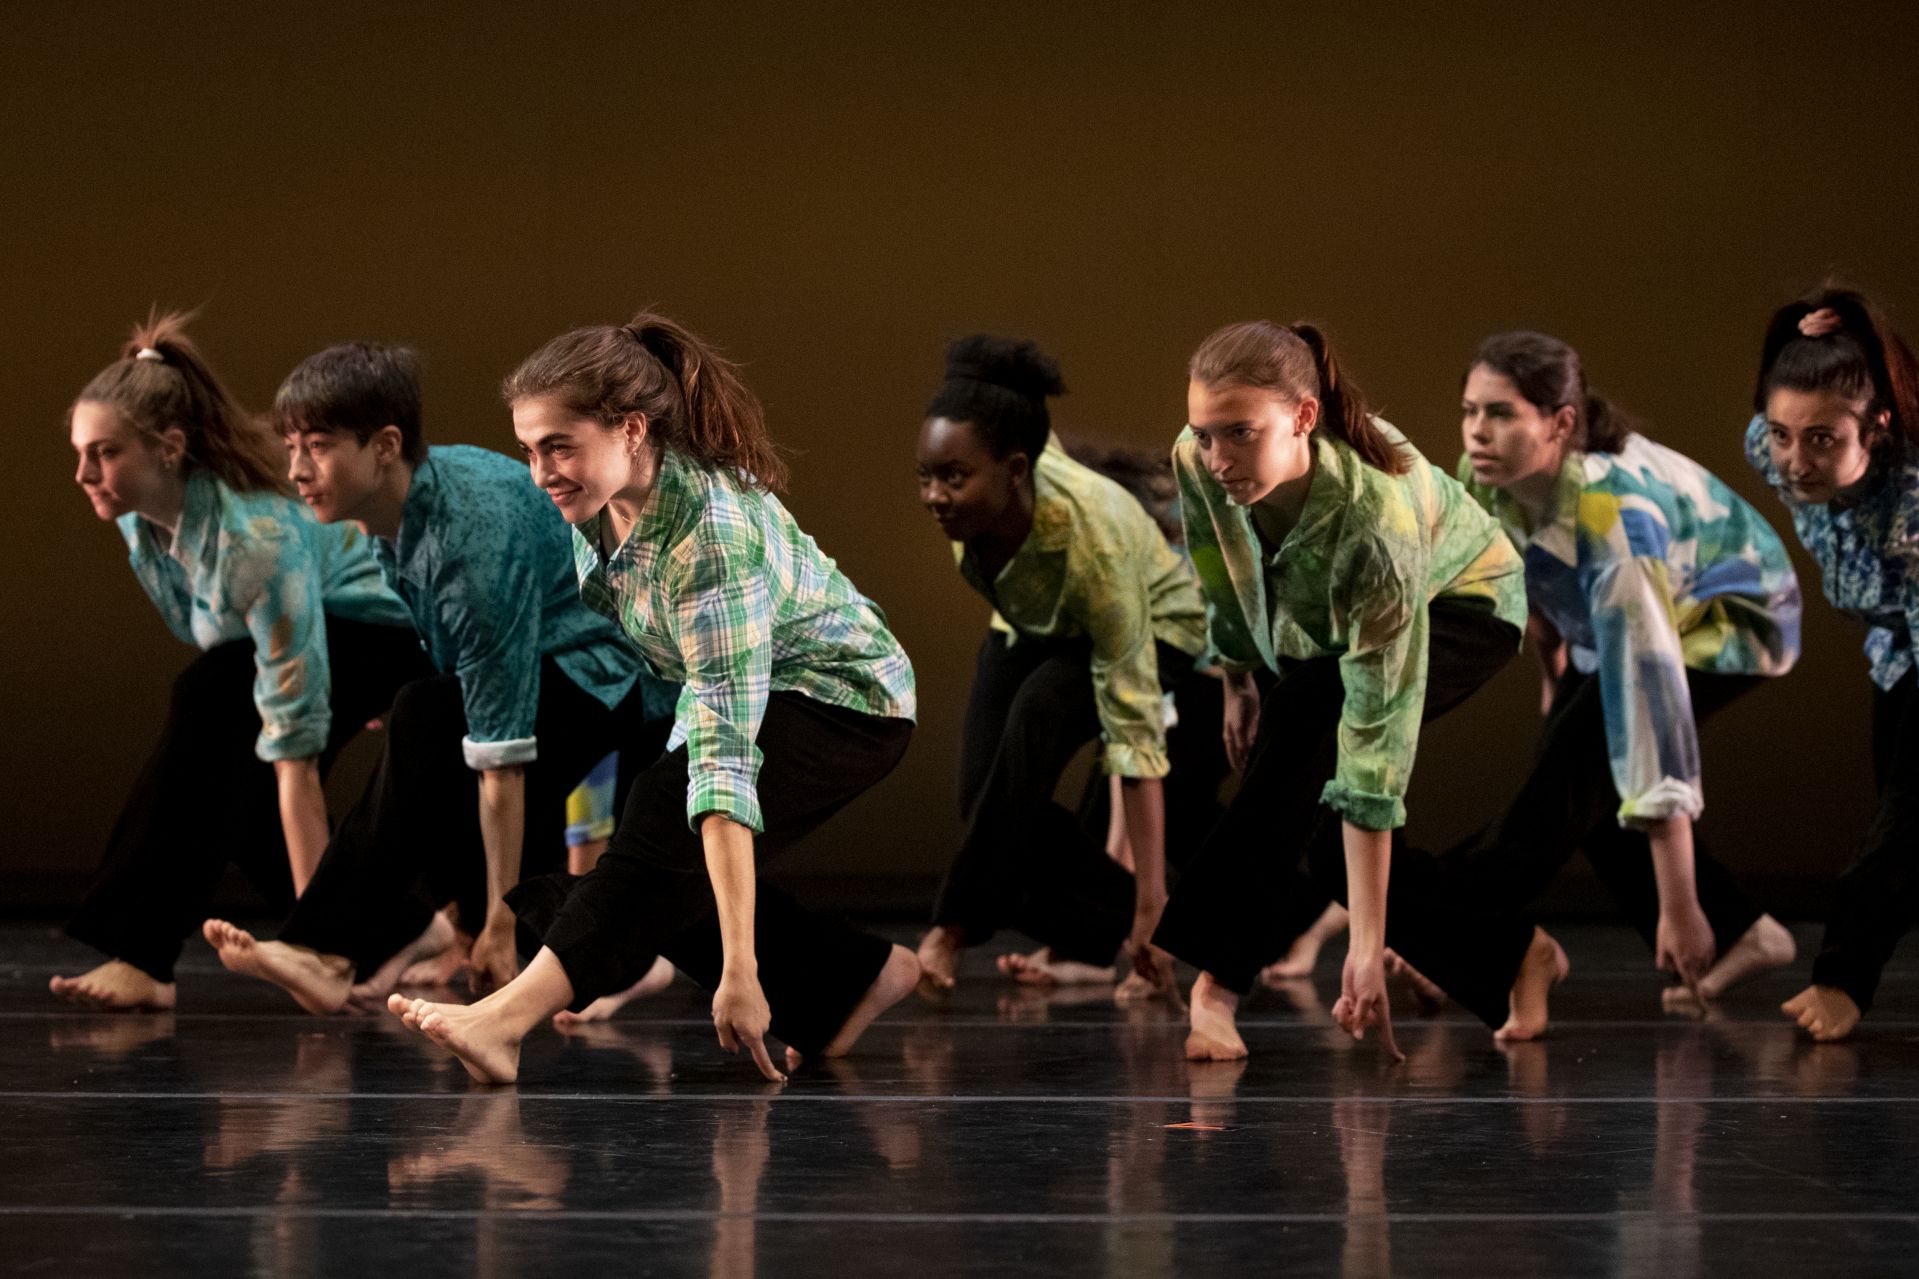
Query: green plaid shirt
{"x": 1354, "y": 577}
{"x": 721, "y": 592}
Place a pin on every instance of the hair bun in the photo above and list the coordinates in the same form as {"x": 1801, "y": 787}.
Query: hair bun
{"x": 1018, "y": 365}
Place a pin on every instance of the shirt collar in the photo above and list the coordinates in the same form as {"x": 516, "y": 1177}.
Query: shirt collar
{"x": 659, "y": 518}
{"x": 419, "y": 514}
{"x": 199, "y": 517}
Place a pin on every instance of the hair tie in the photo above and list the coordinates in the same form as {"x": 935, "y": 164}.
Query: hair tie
{"x": 1817, "y": 324}
{"x": 149, "y": 353}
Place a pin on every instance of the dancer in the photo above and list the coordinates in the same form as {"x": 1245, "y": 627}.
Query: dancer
{"x": 1837, "y": 434}
{"x": 1332, "y": 554}
{"x": 1096, "y": 619}
{"x": 294, "y": 610}
{"x": 796, "y": 699}
{"x": 533, "y": 690}
{"x": 1659, "y": 596}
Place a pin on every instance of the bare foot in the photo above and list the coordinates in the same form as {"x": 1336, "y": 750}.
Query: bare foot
{"x": 318, "y": 983}
{"x": 1135, "y": 988}
{"x": 1681, "y": 1001}
{"x": 657, "y": 979}
{"x": 939, "y": 958}
{"x": 1041, "y": 969}
{"x": 115, "y": 986}
{"x": 1303, "y": 956}
{"x": 434, "y": 940}
{"x": 1827, "y": 1012}
{"x": 1544, "y": 967}
{"x": 1214, "y": 1036}
{"x": 1426, "y": 992}
{"x": 1763, "y": 947}
{"x": 899, "y": 974}
{"x": 489, "y": 1054}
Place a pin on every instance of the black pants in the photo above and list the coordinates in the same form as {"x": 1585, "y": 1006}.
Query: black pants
{"x": 204, "y": 800}
{"x": 1245, "y": 897}
{"x": 1570, "y": 802}
{"x": 412, "y": 843}
{"x": 1027, "y": 862}
{"x": 650, "y": 893}
{"x": 1878, "y": 897}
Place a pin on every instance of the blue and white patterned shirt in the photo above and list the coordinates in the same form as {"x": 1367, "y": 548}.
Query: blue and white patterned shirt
{"x": 1648, "y": 565}
{"x": 258, "y": 566}
{"x": 484, "y": 563}
{"x": 1867, "y": 549}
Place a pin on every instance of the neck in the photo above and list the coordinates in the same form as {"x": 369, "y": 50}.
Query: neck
{"x": 1277, "y": 512}
{"x": 164, "y": 508}
{"x": 624, "y": 508}
{"x": 380, "y": 516}
{"x": 1534, "y": 492}
{"x": 1000, "y": 543}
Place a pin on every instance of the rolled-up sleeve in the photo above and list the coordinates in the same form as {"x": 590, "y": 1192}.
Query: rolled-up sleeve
{"x": 723, "y": 624}
{"x": 1651, "y": 737}
{"x": 275, "y": 583}
{"x": 1116, "y": 610}
{"x": 1383, "y": 673}
{"x": 493, "y": 619}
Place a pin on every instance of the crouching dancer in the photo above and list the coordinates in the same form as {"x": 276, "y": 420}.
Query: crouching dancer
{"x": 796, "y": 699}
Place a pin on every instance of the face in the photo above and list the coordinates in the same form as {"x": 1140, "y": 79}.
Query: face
{"x": 1252, "y": 440}
{"x": 1818, "y": 443}
{"x": 335, "y": 472}
{"x": 962, "y": 484}
{"x": 121, "y": 469}
{"x": 1508, "y": 438}
{"x": 580, "y": 462}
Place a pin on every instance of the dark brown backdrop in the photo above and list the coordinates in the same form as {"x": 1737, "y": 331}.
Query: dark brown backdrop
{"x": 832, "y": 192}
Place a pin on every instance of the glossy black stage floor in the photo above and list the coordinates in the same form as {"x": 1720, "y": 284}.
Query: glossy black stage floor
{"x": 997, "y": 1132}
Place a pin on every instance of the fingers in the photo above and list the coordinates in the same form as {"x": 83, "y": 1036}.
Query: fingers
{"x": 1387, "y": 1043}
{"x": 728, "y": 1040}
{"x": 757, "y": 1046}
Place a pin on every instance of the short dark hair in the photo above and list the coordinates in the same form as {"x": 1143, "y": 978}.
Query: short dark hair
{"x": 356, "y": 387}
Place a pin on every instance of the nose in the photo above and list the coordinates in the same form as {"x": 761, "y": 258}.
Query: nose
{"x": 1474, "y": 426}
{"x": 934, "y": 497}
{"x": 541, "y": 471}
{"x": 298, "y": 467}
{"x": 84, "y": 473}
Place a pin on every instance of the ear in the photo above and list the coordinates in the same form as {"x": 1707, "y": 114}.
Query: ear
{"x": 388, "y": 444}
{"x": 173, "y": 446}
{"x": 638, "y": 432}
{"x": 1020, "y": 467}
{"x": 1306, "y": 415}
{"x": 1565, "y": 419}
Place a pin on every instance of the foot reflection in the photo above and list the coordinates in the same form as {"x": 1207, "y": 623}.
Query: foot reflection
{"x": 488, "y": 1141}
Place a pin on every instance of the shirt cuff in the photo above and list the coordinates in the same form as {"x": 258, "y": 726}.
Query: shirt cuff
{"x": 482, "y": 756}
{"x": 303, "y": 740}
{"x": 730, "y": 793}
{"x": 1670, "y": 798}
{"x": 1364, "y": 809}
{"x": 1122, "y": 760}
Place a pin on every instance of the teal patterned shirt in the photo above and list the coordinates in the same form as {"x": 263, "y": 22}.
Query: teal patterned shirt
{"x": 258, "y": 566}
{"x": 1648, "y": 565}
{"x": 1867, "y": 547}
{"x": 720, "y": 591}
{"x": 1095, "y": 565}
{"x": 1353, "y": 578}
{"x": 485, "y": 565}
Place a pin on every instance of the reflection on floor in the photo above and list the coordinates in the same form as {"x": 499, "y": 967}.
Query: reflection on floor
{"x": 998, "y": 1130}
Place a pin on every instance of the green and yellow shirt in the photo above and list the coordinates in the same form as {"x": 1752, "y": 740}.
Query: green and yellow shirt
{"x": 1353, "y": 578}
{"x": 1096, "y": 566}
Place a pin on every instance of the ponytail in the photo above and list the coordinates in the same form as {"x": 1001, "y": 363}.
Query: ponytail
{"x": 693, "y": 398}
{"x": 1856, "y": 354}
{"x": 1296, "y": 362}
{"x": 162, "y": 382}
